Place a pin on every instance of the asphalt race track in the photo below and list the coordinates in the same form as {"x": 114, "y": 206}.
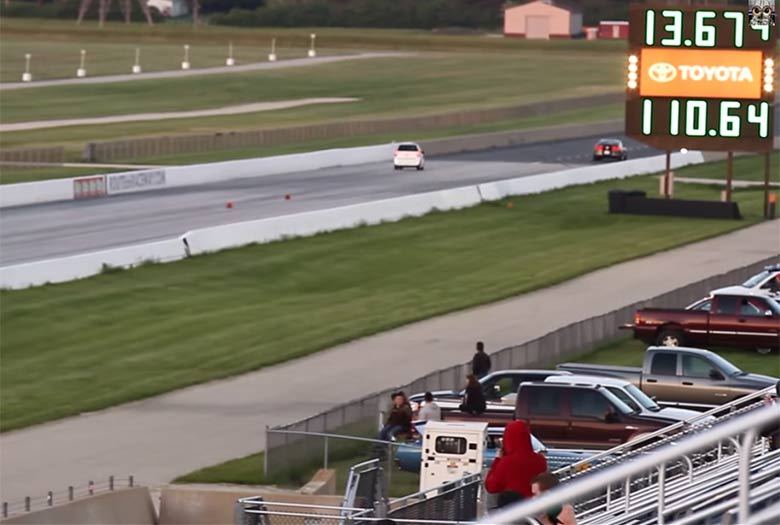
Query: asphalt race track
{"x": 45, "y": 231}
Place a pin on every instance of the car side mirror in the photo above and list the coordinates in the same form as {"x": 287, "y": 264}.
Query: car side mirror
{"x": 611, "y": 417}
{"x": 715, "y": 375}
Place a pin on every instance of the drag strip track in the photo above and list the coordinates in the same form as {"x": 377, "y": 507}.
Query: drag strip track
{"x": 53, "y": 230}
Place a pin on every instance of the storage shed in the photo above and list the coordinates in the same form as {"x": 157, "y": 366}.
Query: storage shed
{"x": 543, "y": 19}
{"x": 613, "y": 29}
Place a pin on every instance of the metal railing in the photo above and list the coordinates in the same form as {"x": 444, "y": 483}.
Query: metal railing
{"x": 72, "y": 493}
{"x": 556, "y": 346}
{"x": 658, "y": 438}
{"x": 377, "y": 444}
{"x": 748, "y": 424}
{"x": 452, "y": 503}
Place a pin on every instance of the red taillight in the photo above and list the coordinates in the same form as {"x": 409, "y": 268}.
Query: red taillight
{"x": 615, "y": 148}
{"x": 637, "y": 318}
{"x": 599, "y": 148}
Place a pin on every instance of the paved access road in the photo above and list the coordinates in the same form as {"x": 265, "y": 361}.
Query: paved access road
{"x": 162, "y": 437}
{"x": 52, "y": 230}
{"x": 110, "y": 79}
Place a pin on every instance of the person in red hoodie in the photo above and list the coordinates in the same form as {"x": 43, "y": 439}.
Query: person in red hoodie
{"x": 516, "y": 464}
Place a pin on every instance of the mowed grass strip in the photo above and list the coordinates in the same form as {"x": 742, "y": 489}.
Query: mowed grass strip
{"x": 390, "y": 86}
{"x": 90, "y": 344}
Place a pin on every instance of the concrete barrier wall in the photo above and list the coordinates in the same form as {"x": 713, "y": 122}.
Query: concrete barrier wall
{"x": 36, "y": 192}
{"x": 234, "y": 235}
{"x": 75, "y": 267}
{"x": 188, "y": 505}
{"x": 123, "y": 507}
{"x": 310, "y": 223}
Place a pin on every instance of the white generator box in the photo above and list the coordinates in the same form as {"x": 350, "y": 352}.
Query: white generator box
{"x": 451, "y": 450}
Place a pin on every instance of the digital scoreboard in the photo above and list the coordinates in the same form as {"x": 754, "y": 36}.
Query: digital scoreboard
{"x": 700, "y": 78}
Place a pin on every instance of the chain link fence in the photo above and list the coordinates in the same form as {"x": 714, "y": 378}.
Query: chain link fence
{"x": 284, "y": 452}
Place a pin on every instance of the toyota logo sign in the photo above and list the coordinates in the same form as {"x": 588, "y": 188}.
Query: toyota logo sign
{"x": 662, "y": 72}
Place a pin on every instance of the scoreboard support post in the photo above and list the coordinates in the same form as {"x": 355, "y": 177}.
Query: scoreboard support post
{"x": 767, "y": 163}
{"x": 729, "y": 174}
{"x": 667, "y": 176}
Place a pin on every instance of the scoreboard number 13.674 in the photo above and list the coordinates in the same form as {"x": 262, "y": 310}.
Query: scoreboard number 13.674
{"x": 700, "y": 78}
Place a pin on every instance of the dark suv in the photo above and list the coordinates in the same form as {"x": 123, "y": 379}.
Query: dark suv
{"x": 580, "y": 416}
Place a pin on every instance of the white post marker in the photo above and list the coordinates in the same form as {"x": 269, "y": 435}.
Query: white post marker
{"x": 137, "y": 65}
{"x": 27, "y": 76}
{"x": 186, "y": 63}
{"x": 312, "y": 52}
{"x": 230, "y": 60}
{"x": 272, "y": 55}
{"x": 81, "y": 72}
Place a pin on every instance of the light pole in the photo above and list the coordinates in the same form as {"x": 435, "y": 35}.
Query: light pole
{"x": 186, "y": 62}
{"x": 81, "y": 72}
{"x": 230, "y": 60}
{"x": 27, "y": 76}
{"x": 137, "y": 65}
{"x": 272, "y": 55}
{"x": 312, "y": 52}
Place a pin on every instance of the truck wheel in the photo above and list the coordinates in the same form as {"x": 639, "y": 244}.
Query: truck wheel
{"x": 670, "y": 337}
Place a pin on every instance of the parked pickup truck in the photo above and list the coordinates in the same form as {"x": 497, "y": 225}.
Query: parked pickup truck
{"x": 684, "y": 377}
{"x": 748, "y": 320}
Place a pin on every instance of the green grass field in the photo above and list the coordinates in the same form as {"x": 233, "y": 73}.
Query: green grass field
{"x": 265, "y": 304}
{"x": 750, "y": 168}
{"x": 447, "y": 74}
{"x": 73, "y": 151}
{"x": 622, "y": 352}
{"x": 391, "y": 86}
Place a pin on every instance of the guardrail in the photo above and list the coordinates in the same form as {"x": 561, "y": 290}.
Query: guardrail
{"x": 564, "y": 343}
{"x": 570, "y": 491}
{"x": 72, "y": 493}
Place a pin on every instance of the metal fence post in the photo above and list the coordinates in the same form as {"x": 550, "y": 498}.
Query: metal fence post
{"x": 5, "y": 509}
{"x": 131, "y": 480}
{"x": 265, "y": 456}
{"x": 27, "y": 503}
{"x": 111, "y": 483}
{"x": 390, "y": 466}
{"x": 91, "y": 487}
{"x": 325, "y": 462}
{"x": 50, "y": 499}
{"x": 70, "y": 493}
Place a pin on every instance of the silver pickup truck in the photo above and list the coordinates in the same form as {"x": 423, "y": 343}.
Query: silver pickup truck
{"x": 683, "y": 377}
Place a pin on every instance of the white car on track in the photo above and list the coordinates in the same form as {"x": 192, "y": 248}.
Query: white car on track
{"x": 408, "y": 155}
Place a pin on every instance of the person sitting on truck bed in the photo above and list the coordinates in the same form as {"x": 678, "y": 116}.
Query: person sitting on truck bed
{"x": 474, "y": 400}
{"x": 516, "y": 464}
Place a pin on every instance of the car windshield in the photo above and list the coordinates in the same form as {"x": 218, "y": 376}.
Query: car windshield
{"x": 725, "y": 366}
{"x": 756, "y": 279}
{"x": 773, "y": 305}
{"x": 609, "y": 142}
{"x": 642, "y": 398}
{"x": 623, "y": 407}
{"x": 407, "y": 147}
{"x": 625, "y": 398}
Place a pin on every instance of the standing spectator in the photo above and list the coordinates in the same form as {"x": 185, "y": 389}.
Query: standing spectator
{"x": 563, "y": 515}
{"x": 516, "y": 464}
{"x": 480, "y": 364}
{"x": 430, "y": 411}
{"x": 474, "y": 400}
{"x": 399, "y": 419}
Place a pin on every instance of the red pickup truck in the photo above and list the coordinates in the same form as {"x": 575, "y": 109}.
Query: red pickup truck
{"x": 750, "y": 321}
